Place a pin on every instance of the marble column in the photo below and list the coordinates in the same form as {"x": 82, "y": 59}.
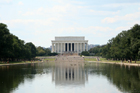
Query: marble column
{"x": 52, "y": 47}
{"x": 86, "y": 46}
{"x": 64, "y": 47}
{"x": 55, "y": 47}
{"x": 77, "y": 48}
{"x": 80, "y": 48}
{"x": 67, "y": 46}
{"x": 83, "y": 46}
{"x": 74, "y": 47}
{"x": 71, "y": 46}
{"x": 61, "y": 47}
{"x": 58, "y": 47}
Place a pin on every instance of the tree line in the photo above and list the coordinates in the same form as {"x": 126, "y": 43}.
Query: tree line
{"x": 40, "y": 51}
{"x": 125, "y": 46}
{"x": 14, "y": 49}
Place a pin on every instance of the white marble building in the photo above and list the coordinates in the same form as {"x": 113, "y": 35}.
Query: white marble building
{"x": 75, "y": 44}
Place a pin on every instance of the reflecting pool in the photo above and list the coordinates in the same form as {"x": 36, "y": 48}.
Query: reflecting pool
{"x": 69, "y": 77}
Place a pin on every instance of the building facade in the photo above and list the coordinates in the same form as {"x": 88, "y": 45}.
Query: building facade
{"x": 69, "y": 44}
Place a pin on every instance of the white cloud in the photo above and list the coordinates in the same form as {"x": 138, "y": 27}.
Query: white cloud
{"x": 133, "y": 23}
{"x": 49, "y": 11}
{"x": 77, "y": 2}
{"x": 122, "y": 28}
{"x": 5, "y": 1}
{"x": 126, "y": 17}
{"x": 39, "y": 24}
{"x": 115, "y": 5}
{"x": 67, "y": 10}
{"x": 20, "y": 3}
{"x": 110, "y": 19}
{"x": 68, "y": 2}
{"x": 104, "y": 12}
{"x": 93, "y": 29}
{"x": 59, "y": 1}
{"x": 84, "y": 30}
{"x": 47, "y": 22}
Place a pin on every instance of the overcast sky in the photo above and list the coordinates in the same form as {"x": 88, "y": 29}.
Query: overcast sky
{"x": 39, "y": 21}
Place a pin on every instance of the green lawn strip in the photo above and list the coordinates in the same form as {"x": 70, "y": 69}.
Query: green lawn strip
{"x": 105, "y": 60}
{"x": 90, "y": 59}
{"x": 50, "y": 59}
{"x": 136, "y": 62}
{"x": 42, "y": 56}
{"x": 19, "y": 62}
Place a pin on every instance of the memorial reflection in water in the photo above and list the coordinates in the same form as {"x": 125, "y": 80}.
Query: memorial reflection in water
{"x": 69, "y": 73}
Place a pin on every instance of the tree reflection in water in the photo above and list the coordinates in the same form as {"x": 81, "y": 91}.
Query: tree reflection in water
{"x": 125, "y": 78}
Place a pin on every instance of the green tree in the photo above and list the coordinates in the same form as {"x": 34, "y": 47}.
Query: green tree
{"x": 40, "y": 51}
{"x": 135, "y": 41}
{"x": 11, "y": 47}
{"x": 85, "y": 53}
{"x": 47, "y": 51}
{"x": 5, "y": 41}
{"x": 122, "y": 47}
{"x": 31, "y": 48}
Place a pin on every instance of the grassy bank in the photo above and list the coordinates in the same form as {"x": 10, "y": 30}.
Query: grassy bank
{"x": 49, "y": 59}
{"x": 18, "y": 62}
{"x": 105, "y": 60}
{"x": 21, "y": 62}
{"x": 90, "y": 59}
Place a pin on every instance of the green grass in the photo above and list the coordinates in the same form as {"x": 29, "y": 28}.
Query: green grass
{"x": 105, "y": 60}
{"x": 90, "y": 59}
{"x": 17, "y": 62}
{"x": 50, "y": 59}
{"x": 42, "y": 56}
{"x": 136, "y": 62}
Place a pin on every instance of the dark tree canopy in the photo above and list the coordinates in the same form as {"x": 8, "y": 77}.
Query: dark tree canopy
{"x": 85, "y": 53}
{"x": 126, "y": 45}
{"x": 32, "y": 48}
{"x": 11, "y": 47}
{"x": 44, "y": 52}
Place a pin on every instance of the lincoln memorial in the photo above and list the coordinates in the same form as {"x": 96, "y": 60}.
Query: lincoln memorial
{"x": 75, "y": 44}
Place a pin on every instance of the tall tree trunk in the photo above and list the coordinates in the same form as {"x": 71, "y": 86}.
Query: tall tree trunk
{"x": 131, "y": 60}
